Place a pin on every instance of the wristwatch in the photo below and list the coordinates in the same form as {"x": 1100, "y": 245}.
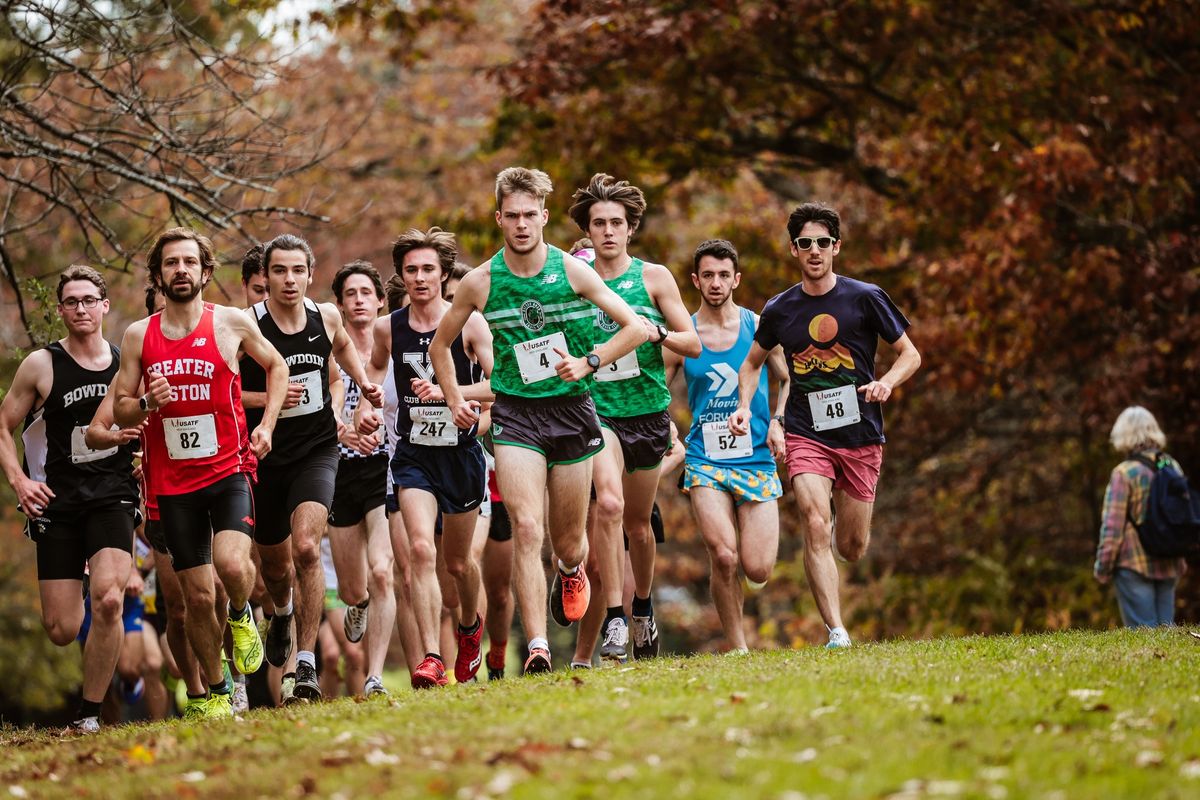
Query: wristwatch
{"x": 593, "y": 361}
{"x": 663, "y": 333}
{"x": 778, "y": 418}
{"x": 144, "y": 404}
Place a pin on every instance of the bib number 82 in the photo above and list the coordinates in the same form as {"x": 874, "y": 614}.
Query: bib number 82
{"x": 189, "y": 440}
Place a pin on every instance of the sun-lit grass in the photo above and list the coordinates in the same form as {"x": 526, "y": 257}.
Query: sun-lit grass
{"x": 1065, "y": 715}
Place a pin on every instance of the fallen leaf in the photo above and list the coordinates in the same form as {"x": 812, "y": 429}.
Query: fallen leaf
{"x": 138, "y": 754}
{"x": 737, "y": 697}
{"x": 1148, "y": 758}
{"x": 17, "y": 790}
{"x": 195, "y": 776}
{"x": 337, "y": 758}
{"x": 377, "y": 758}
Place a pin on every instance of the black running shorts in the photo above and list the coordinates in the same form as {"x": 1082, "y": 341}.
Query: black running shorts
{"x": 644, "y": 439}
{"x": 188, "y": 520}
{"x": 563, "y": 429}
{"x": 154, "y": 535}
{"x": 456, "y": 476}
{"x": 66, "y": 542}
{"x": 501, "y": 528}
{"x": 361, "y": 485}
{"x": 279, "y": 491}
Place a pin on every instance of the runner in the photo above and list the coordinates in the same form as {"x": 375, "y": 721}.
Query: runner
{"x": 200, "y": 455}
{"x": 80, "y": 502}
{"x": 829, "y": 327}
{"x": 535, "y": 299}
{"x": 729, "y": 479}
{"x": 358, "y": 527}
{"x": 254, "y": 277}
{"x": 631, "y": 398}
{"x": 437, "y": 468}
{"x": 295, "y": 482}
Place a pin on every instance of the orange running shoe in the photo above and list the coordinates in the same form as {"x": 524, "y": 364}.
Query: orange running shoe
{"x": 538, "y": 661}
{"x": 569, "y": 596}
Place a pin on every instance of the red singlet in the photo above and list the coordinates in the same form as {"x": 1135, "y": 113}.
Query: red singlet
{"x": 200, "y": 436}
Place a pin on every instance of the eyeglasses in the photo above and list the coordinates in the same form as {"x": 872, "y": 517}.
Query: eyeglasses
{"x": 75, "y": 302}
{"x": 806, "y": 242}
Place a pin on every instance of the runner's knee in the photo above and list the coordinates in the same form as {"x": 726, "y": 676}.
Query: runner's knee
{"x": 108, "y": 605}
{"x": 306, "y": 553}
{"x": 724, "y": 562}
{"x": 60, "y": 630}
{"x": 610, "y": 506}
{"x": 380, "y": 577}
{"x": 424, "y": 554}
{"x": 816, "y": 531}
{"x": 456, "y": 566}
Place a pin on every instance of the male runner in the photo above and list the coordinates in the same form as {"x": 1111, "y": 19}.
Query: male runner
{"x": 254, "y": 277}
{"x": 631, "y": 398}
{"x": 199, "y": 452}
{"x": 80, "y": 502}
{"x": 358, "y": 527}
{"x": 730, "y": 479}
{"x": 436, "y": 467}
{"x": 535, "y": 299}
{"x": 295, "y": 483}
{"x": 829, "y": 326}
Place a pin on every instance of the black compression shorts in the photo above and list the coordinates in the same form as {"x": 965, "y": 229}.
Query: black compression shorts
{"x": 279, "y": 491}
{"x": 188, "y": 520}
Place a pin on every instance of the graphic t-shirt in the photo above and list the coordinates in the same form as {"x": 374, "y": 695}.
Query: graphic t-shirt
{"x": 829, "y": 342}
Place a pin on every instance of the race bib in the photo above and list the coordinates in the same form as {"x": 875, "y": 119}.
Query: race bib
{"x": 834, "y": 408}
{"x": 721, "y": 445}
{"x": 190, "y": 437}
{"x": 312, "y": 400}
{"x": 623, "y": 368}
{"x": 432, "y": 426}
{"x": 81, "y": 453}
{"x": 536, "y": 358}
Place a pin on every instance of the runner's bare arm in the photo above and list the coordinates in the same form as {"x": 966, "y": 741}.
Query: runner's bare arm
{"x": 347, "y": 354}
{"x": 381, "y": 349}
{"x": 258, "y": 348}
{"x": 777, "y": 366}
{"x": 908, "y": 360}
{"x": 664, "y": 291}
{"x": 29, "y": 388}
{"x": 672, "y": 361}
{"x": 471, "y": 296}
{"x": 588, "y": 285}
{"x": 748, "y": 375}
{"x": 127, "y": 411}
{"x": 99, "y": 434}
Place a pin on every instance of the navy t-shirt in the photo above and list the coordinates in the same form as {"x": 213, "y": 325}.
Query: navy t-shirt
{"x": 829, "y": 341}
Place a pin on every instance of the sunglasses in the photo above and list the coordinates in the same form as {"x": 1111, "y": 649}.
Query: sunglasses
{"x": 806, "y": 242}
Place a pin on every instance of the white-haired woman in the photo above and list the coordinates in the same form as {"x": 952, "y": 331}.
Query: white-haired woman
{"x": 1145, "y": 584}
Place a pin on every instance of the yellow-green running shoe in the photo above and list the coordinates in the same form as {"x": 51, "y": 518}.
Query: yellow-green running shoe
{"x": 193, "y": 709}
{"x": 218, "y": 706}
{"x": 247, "y": 647}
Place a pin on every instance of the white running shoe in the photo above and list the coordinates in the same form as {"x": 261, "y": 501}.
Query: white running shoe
{"x": 354, "y": 624}
{"x": 838, "y": 639}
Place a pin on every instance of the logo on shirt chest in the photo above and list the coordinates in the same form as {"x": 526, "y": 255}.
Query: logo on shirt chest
{"x": 533, "y": 316}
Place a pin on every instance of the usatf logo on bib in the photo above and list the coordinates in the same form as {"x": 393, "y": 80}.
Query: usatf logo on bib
{"x": 532, "y": 315}
{"x": 604, "y": 322}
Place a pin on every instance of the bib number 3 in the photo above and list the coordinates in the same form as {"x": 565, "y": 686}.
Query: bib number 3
{"x": 313, "y": 397}
{"x": 834, "y": 408}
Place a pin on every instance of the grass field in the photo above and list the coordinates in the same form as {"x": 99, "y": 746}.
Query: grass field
{"x": 1066, "y": 715}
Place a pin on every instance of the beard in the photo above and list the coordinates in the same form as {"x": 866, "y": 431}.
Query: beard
{"x": 724, "y": 299}
{"x": 178, "y": 294}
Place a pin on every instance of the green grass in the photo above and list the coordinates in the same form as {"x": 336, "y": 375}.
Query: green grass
{"x": 1067, "y": 715}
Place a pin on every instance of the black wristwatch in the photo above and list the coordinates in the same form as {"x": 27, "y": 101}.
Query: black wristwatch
{"x": 593, "y": 361}
{"x": 663, "y": 333}
{"x": 778, "y": 418}
{"x": 144, "y": 404}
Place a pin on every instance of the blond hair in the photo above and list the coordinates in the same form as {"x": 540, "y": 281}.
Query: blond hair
{"x": 1136, "y": 429}
{"x": 512, "y": 180}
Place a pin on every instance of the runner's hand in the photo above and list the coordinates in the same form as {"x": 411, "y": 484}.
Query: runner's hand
{"x": 294, "y": 394}
{"x": 158, "y": 392}
{"x": 428, "y": 392}
{"x": 739, "y": 422}
{"x": 367, "y": 445}
{"x": 260, "y": 441}
{"x": 33, "y": 496}
{"x": 373, "y": 393}
{"x": 571, "y": 369}
{"x": 875, "y": 391}
{"x": 466, "y": 414}
{"x": 366, "y": 421}
{"x": 776, "y": 441}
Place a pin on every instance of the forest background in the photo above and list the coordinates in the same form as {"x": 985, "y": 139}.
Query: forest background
{"x": 1020, "y": 177}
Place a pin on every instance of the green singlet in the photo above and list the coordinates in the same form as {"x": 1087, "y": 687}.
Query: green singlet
{"x": 529, "y": 317}
{"x": 636, "y": 383}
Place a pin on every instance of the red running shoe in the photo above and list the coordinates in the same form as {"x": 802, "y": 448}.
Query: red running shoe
{"x": 470, "y": 653}
{"x": 538, "y": 661}
{"x": 569, "y": 596}
{"x": 430, "y": 673}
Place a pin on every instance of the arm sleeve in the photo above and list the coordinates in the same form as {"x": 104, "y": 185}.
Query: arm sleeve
{"x": 1112, "y": 523}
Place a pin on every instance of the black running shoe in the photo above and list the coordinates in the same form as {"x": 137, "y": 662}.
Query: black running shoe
{"x": 307, "y": 687}
{"x": 645, "y": 637}
{"x": 279, "y": 640}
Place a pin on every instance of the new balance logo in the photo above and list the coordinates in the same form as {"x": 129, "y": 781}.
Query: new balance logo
{"x": 593, "y": 442}
{"x": 200, "y": 342}
{"x": 724, "y": 379}
{"x": 550, "y": 279}
{"x": 625, "y": 285}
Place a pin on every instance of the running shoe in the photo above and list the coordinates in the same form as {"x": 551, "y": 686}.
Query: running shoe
{"x": 374, "y": 688}
{"x": 430, "y": 673}
{"x": 470, "y": 653}
{"x": 247, "y": 647}
{"x": 538, "y": 661}
{"x": 85, "y": 725}
{"x": 307, "y": 687}
{"x": 131, "y": 694}
{"x": 645, "y": 637}
{"x": 838, "y": 639}
{"x": 495, "y": 666}
{"x": 354, "y": 623}
{"x": 193, "y": 709}
{"x": 616, "y": 637}
{"x": 287, "y": 688}
{"x": 581, "y": 665}
{"x": 569, "y": 596}
{"x": 241, "y": 698}
{"x": 279, "y": 640}
{"x": 217, "y": 706}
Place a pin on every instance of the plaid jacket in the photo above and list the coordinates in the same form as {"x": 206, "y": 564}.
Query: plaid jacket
{"x": 1126, "y": 496}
